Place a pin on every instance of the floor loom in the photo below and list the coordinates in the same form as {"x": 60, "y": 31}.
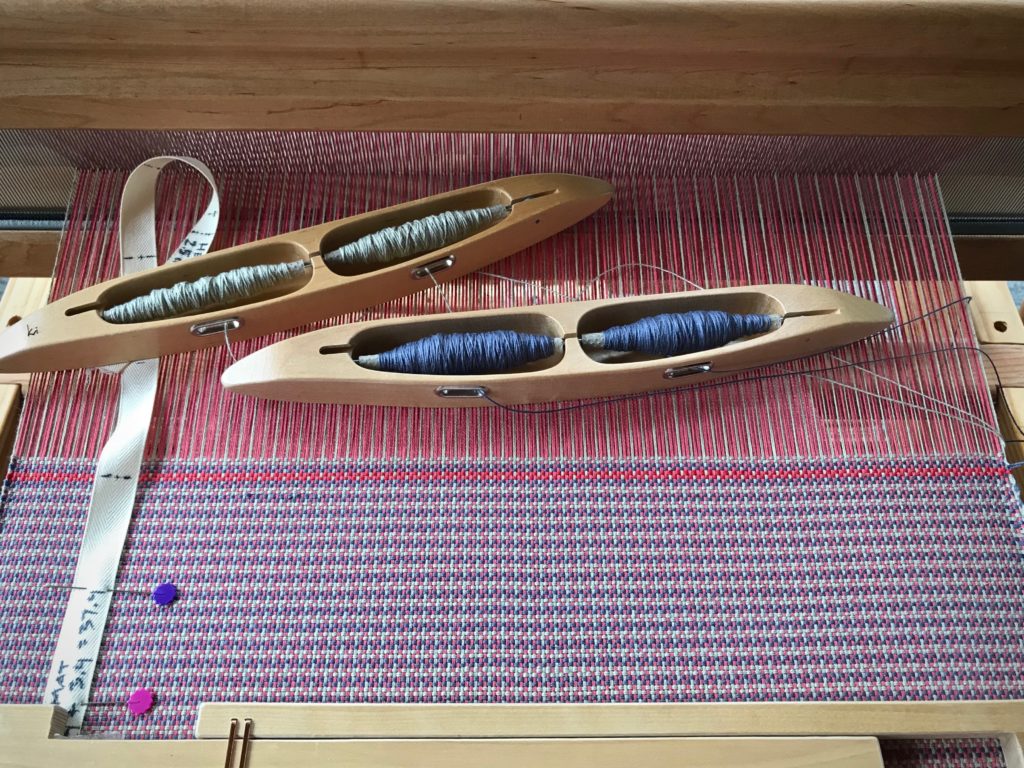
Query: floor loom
{"x": 951, "y": 78}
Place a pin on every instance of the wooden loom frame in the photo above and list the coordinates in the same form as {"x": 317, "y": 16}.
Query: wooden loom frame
{"x": 858, "y": 67}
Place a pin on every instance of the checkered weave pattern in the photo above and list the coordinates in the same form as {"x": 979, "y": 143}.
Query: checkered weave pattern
{"x": 536, "y": 581}
{"x": 850, "y": 534}
{"x": 965, "y": 753}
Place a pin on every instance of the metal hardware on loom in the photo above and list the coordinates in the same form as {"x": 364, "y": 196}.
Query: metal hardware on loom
{"x": 687, "y": 370}
{"x": 335, "y": 364}
{"x": 216, "y": 326}
{"x": 162, "y": 594}
{"x": 243, "y": 752}
{"x": 139, "y": 703}
{"x": 299, "y": 277}
{"x": 431, "y": 269}
{"x": 461, "y": 391}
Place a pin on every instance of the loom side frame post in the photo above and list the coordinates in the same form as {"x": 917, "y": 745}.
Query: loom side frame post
{"x": 28, "y": 252}
{"x": 1013, "y": 751}
{"x": 1000, "y": 331}
{"x": 995, "y": 316}
{"x": 21, "y": 296}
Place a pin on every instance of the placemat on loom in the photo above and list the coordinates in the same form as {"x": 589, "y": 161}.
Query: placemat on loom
{"x": 849, "y": 534}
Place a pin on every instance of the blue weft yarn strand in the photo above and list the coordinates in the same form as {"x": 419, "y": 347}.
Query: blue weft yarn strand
{"x": 679, "y": 333}
{"x": 464, "y": 353}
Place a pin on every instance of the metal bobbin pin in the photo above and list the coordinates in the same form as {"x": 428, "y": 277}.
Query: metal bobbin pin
{"x": 139, "y": 703}
{"x": 162, "y": 594}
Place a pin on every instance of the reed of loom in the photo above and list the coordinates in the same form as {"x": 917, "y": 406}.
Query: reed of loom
{"x": 322, "y": 366}
{"x": 81, "y": 331}
{"x": 789, "y": 67}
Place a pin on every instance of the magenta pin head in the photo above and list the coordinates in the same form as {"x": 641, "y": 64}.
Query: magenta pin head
{"x": 165, "y": 594}
{"x": 140, "y": 702}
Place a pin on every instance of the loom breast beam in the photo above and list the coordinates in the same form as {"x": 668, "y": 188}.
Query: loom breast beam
{"x": 321, "y": 366}
{"x": 78, "y": 332}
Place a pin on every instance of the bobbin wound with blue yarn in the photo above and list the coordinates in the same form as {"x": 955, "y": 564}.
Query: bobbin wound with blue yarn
{"x": 360, "y": 363}
{"x": 679, "y": 333}
{"x": 460, "y": 354}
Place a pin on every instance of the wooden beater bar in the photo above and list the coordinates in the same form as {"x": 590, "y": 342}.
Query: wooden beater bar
{"x": 939, "y": 67}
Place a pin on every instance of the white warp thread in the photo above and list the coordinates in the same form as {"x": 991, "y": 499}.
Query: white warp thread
{"x": 117, "y": 470}
{"x": 206, "y": 293}
{"x": 414, "y": 237}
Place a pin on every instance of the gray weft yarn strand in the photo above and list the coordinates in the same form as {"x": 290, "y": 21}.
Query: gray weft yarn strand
{"x": 208, "y": 292}
{"x": 413, "y": 237}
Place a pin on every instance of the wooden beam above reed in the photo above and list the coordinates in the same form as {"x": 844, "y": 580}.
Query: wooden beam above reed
{"x": 716, "y": 66}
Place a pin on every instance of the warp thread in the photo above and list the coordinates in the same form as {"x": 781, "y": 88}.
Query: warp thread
{"x": 679, "y": 333}
{"x": 413, "y": 237}
{"x": 208, "y": 292}
{"x": 455, "y": 354}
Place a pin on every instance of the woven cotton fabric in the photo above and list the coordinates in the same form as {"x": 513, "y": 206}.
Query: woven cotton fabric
{"x": 846, "y": 534}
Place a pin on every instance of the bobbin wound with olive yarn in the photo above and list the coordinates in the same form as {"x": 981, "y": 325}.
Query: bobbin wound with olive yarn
{"x": 379, "y": 248}
{"x": 172, "y": 304}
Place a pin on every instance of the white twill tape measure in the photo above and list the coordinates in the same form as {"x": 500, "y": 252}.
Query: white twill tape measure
{"x": 117, "y": 470}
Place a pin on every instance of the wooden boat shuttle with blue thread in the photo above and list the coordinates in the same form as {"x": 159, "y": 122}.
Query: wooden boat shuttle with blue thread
{"x": 330, "y": 365}
{"x": 77, "y": 332}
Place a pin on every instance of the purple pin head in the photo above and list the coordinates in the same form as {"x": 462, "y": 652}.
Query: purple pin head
{"x": 165, "y": 594}
{"x": 140, "y": 702}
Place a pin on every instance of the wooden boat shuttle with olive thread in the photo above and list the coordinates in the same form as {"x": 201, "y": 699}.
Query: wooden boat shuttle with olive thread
{"x": 558, "y": 351}
{"x": 298, "y": 277}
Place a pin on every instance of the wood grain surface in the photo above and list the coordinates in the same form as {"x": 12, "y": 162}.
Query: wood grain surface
{"x": 729, "y": 66}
